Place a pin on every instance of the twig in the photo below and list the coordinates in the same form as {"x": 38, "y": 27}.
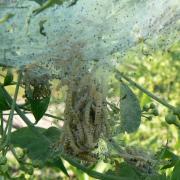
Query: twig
{"x": 46, "y": 114}
{"x": 10, "y": 118}
{"x": 55, "y": 117}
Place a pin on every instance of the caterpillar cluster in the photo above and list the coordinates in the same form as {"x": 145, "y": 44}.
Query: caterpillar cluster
{"x": 85, "y": 118}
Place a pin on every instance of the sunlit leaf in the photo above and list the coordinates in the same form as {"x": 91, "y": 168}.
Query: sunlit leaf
{"x": 130, "y": 110}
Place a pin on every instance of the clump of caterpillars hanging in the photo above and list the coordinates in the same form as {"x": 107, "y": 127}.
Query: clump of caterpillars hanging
{"x": 85, "y": 117}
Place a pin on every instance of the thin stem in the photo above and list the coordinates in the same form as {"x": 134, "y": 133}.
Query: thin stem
{"x": 14, "y": 153}
{"x": 120, "y": 75}
{"x": 10, "y": 119}
{"x": 55, "y": 117}
{"x": 46, "y": 114}
{"x": 90, "y": 172}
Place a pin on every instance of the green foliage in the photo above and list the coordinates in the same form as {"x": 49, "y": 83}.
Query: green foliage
{"x": 126, "y": 171}
{"x": 130, "y": 110}
{"x": 38, "y": 150}
{"x": 26, "y": 139}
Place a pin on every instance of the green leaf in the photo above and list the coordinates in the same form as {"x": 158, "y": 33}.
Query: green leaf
{"x": 39, "y": 107}
{"x": 38, "y": 149}
{"x": 156, "y": 177}
{"x": 3, "y": 103}
{"x": 176, "y": 171}
{"x": 9, "y": 78}
{"x": 25, "y": 138}
{"x": 52, "y": 133}
{"x": 124, "y": 170}
{"x": 130, "y": 110}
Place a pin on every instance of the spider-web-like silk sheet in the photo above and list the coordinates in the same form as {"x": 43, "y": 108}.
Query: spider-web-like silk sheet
{"x": 89, "y": 30}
